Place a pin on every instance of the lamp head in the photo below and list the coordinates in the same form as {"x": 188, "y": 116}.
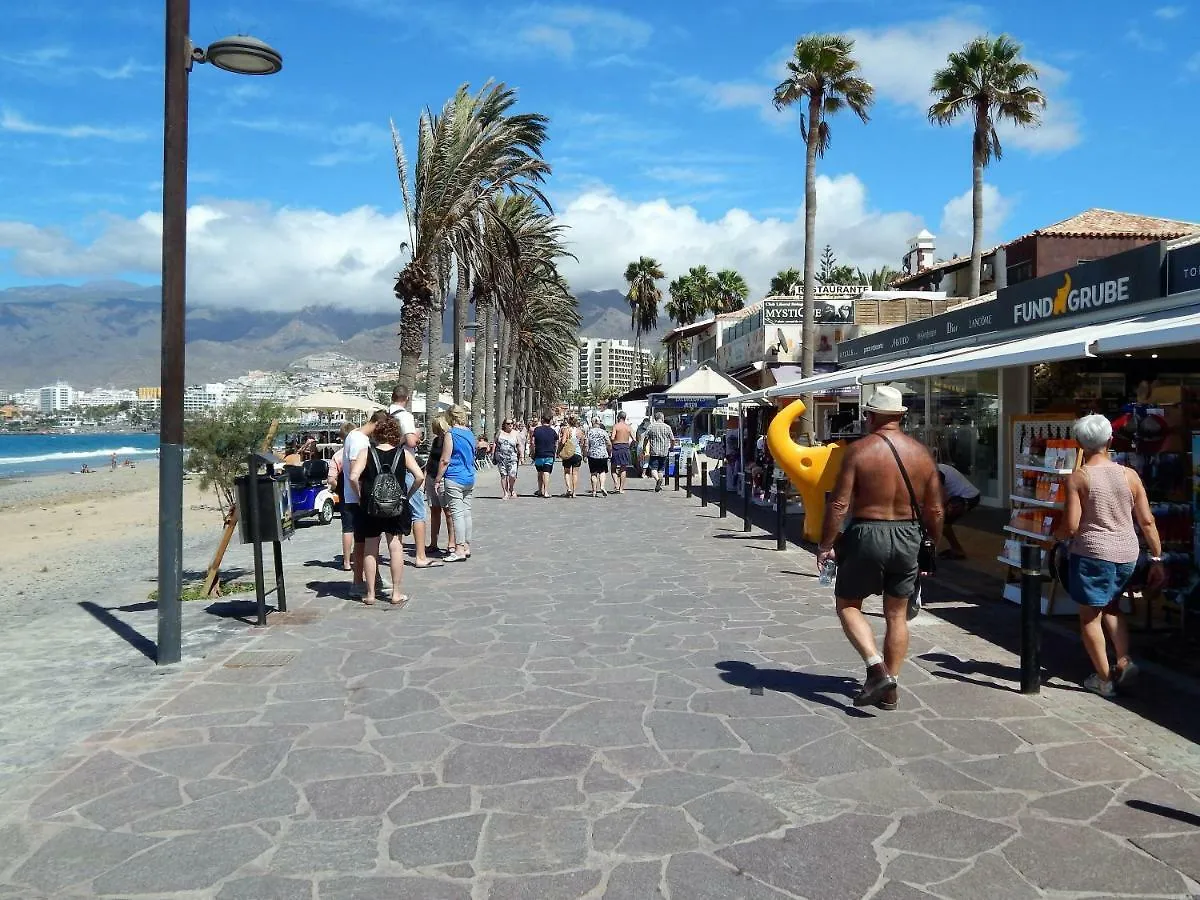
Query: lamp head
{"x": 244, "y": 55}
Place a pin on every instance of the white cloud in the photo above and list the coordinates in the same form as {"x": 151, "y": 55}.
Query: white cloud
{"x": 562, "y": 31}
{"x": 722, "y": 95}
{"x": 18, "y": 124}
{"x": 954, "y": 232}
{"x": 686, "y": 175}
{"x": 1169, "y": 12}
{"x": 900, "y": 61}
{"x": 246, "y": 254}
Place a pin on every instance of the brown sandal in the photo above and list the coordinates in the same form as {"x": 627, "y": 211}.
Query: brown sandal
{"x": 400, "y": 602}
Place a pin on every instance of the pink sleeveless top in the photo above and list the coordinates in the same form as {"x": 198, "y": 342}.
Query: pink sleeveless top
{"x": 1106, "y": 526}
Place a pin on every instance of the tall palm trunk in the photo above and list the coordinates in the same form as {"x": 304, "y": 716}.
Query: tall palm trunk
{"x": 462, "y": 299}
{"x": 433, "y": 378}
{"x": 412, "y": 340}
{"x": 477, "y": 360}
{"x": 974, "y": 288}
{"x": 809, "y": 328}
{"x": 489, "y": 422}
{"x": 504, "y": 372}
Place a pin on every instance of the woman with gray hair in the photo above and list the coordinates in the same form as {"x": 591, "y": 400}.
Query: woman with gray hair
{"x": 1103, "y": 502}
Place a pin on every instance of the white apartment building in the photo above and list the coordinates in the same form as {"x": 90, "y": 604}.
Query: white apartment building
{"x": 199, "y": 398}
{"x": 56, "y": 398}
{"x": 598, "y": 361}
{"x": 104, "y": 397}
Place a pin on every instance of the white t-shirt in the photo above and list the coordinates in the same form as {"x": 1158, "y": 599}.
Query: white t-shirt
{"x": 356, "y": 443}
{"x": 957, "y": 484}
{"x": 408, "y": 424}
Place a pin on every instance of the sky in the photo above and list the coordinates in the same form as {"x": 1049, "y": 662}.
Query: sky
{"x": 663, "y": 140}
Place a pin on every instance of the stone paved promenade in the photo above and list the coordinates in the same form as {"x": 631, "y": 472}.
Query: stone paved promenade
{"x": 623, "y": 699}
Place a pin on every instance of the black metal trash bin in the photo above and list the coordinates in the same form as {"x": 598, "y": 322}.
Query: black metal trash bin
{"x": 274, "y": 519}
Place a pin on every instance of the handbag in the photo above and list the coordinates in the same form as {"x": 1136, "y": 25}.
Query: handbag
{"x": 569, "y": 448}
{"x": 927, "y": 554}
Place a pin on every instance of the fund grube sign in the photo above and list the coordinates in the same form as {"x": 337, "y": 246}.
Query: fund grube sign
{"x": 1126, "y": 279}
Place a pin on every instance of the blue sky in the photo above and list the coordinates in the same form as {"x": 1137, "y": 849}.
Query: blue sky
{"x": 663, "y": 139}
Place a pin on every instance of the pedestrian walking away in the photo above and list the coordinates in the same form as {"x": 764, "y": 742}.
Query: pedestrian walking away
{"x": 333, "y": 481}
{"x": 599, "y": 451}
{"x": 456, "y": 476}
{"x": 657, "y": 446}
{"x": 385, "y": 457}
{"x": 355, "y": 450}
{"x": 1103, "y": 502}
{"x": 959, "y": 497}
{"x": 889, "y": 488}
{"x": 508, "y": 458}
{"x": 416, "y": 499}
{"x": 622, "y": 459}
{"x": 545, "y": 445}
{"x": 436, "y": 499}
{"x": 571, "y": 443}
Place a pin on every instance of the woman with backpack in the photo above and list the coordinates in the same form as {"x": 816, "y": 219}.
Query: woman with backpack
{"x": 378, "y": 478}
{"x": 570, "y": 451}
{"x": 456, "y": 477}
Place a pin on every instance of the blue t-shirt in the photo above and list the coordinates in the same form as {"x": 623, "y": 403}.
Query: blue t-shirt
{"x": 545, "y": 442}
{"x": 462, "y": 456}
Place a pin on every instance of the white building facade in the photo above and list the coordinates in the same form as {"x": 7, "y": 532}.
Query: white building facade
{"x": 56, "y": 398}
{"x": 600, "y": 361}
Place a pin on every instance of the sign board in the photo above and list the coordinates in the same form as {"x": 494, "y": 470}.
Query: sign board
{"x": 684, "y": 401}
{"x": 1183, "y": 269}
{"x": 1126, "y": 279}
{"x": 825, "y": 311}
{"x": 956, "y": 324}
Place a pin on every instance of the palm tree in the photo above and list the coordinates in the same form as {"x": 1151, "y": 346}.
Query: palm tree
{"x": 824, "y": 74}
{"x": 703, "y": 287}
{"x": 731, "y": 291}
{"x": 642, "y": 277}
{"x": 989, "y": 80}
{"x": 784, "y": 279}
{"x": 475, "y": 146}
{"x": 878, "y": 279}
{"x": 658, "y": 369}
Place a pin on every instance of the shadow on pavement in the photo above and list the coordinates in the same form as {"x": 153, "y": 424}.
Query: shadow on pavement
{"x": 957, "y": 669}
{"x": 124, "y": 630}
{"x": 338, "y": 590}
{"x": 805, "y": 685}
{"x": 324, "y": 564}
{"x": 240, "y": 610}
{"x": 1166, "y": 812}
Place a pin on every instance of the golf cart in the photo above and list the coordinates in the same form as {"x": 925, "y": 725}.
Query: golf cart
{"x": 310, "y": 494}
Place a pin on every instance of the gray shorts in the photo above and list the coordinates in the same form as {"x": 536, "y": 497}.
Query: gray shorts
{"x": 876, "y": 557}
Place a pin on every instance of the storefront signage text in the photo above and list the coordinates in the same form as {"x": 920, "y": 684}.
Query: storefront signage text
{"x": 953, "y": 325}
{"x": 682, "y": 401}
{"x": 1125, "y": 279}
{"x": 791, "y": 312}
{"x": 1183, "y": 269}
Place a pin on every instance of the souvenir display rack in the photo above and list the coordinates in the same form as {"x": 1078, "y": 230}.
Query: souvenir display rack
{"x": 1044, "y": 455}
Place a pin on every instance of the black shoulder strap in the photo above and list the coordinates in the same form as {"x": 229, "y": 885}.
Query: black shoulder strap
{"x": 397, "y": 453}
{"x": 912, "y": 495}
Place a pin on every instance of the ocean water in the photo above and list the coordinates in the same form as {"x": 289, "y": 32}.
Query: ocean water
{"x": 40, "y": 454}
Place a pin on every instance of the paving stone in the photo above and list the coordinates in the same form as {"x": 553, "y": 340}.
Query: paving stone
{"x": 922, "y": 870}
{"x": 656, "y": 832}
{"x": 990, "y": 805}
{"x": 97, "y": 775}
{"x": 518, "y": 845}
{"x": 209, "y": 698}
{"x": 123, "y": 806}
{"x": 565, "y": 886}
{"x": 907, "y": 741}
{"x": 934, "y": 775}
{"x": 310, "y": 690}
{"x": 634, "y": 761}
{"x": 884, "y": 790}
{"x": 1060, "y": 857}
{"x": 379, "y": 886}
{"x": 978, "y": 737}
{"x": 735, "y": 764}
{"x": 1020, "y": 771}
{"x": 416, "y": 723}
{"x": 609, "y": 830}
{"x": 686, "y": 731}
{"x": 699, "y": 877}
{"x": 14, "y": 844}
{"x": 783, "y": 735}
{"x": 257, "y": 763}
{"x": 601, "y": 724}
{"x": 363, "y": 795}
{"x": 505, "y": 765}
{"x": 520, "y": 720}
{"x": 741, "y": 704}
{"x": 305, "y": 711}
{"x": 399, "y": 703}
{"x": 253, "y": 735}
{"x": 1181, "y": 851}
{"x": 409, "y": 752}
{"x": 197, "y": 761}
{"x": 323, "y": 763}
{"x": 947, "y": 834}
{"x": 77, "y": 854}
{"x": 348, "y": 845}
{"x": 990, "y": 877}
{"x": 436, "y": 843}
{"x": 348, "y": 733}
{"x": 634, "y": 881}
{"x": 1090, "y": 762}
{"x": 731, "y": 816}
{"x": 1079, "y": 803}
{"x": 261, "y": 801}
{"x": 959, "y": 700}
{"x": 191, "y": 862}
{"x": 266, "y": 887}
{"x": 1045, "y": 730}
{"x": 433, "y": 803}
{"x": 675, "y": 788}
{"x": 599, "y": 780}
{"x": 206, "y": 787}
{"x": 535, "y": 797}
{"x": 835, "y": 755}
{"x": 1153, "y": 800}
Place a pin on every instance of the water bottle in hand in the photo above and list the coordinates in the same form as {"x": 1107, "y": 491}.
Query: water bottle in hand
{"x": 828, "y": 572}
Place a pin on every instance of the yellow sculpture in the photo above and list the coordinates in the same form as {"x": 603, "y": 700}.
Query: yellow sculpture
{"x": 812, "y": 470}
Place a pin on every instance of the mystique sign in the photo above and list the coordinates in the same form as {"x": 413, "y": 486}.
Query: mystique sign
{"x": 1128, "y": 278}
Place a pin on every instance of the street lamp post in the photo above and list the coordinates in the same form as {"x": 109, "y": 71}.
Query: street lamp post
{"x": 244, "y": 56}
{"x": 472, "y": 329}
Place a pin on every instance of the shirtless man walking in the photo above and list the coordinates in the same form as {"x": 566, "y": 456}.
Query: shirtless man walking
{"x": 878, "y": 553}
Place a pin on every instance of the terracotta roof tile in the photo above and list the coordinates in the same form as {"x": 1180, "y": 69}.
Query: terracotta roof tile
{"x": 1110, "y": 223}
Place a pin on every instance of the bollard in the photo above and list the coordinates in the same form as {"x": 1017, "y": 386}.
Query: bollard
{"x": 678, "y": 463}
{"x": 781, "y": 514}
{"x": 689, "y": 478}
{"x": 721, "y": 490}
{"x": 280, "y": 590}
{"x": 704, "y": 482}
{"x": 1031, "y": 615}
{"x": 747, "y": 489}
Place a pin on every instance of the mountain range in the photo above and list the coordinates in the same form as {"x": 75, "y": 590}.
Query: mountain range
{"x": 107, "y": 334}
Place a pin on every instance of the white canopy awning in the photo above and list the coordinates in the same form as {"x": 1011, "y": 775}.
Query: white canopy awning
{"x": 329, "y": 400}
{"x": 706, "y": 381}
{"x": 1182, "y": 326}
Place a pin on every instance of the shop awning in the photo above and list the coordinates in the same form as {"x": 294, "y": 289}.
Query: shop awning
{"x": 1167, "y": 329}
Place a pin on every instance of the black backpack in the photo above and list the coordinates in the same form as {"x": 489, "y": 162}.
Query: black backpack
{"x": 388, "y": 497}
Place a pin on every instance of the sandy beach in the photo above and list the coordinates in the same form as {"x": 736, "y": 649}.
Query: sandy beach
{"x": 57, "y": 526}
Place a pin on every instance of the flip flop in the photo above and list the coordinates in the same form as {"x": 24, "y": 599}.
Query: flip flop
{"x": 400, "y": 601}
{"x": 429, "y": 564}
